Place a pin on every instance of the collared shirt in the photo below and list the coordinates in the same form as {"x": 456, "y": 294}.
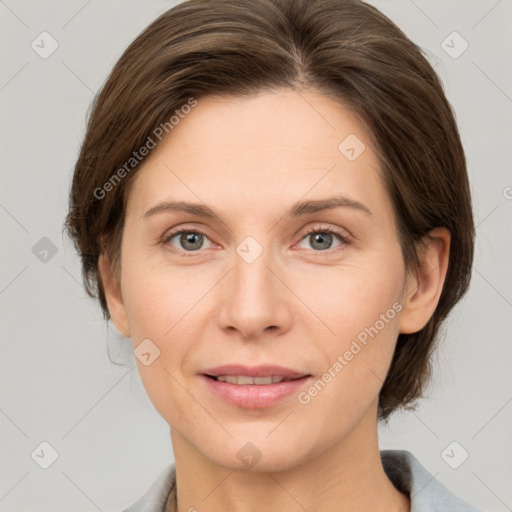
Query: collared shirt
{"x": 402, "y": 468}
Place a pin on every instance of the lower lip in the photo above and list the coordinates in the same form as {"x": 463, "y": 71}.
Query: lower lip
{"x": 254, "y": 396}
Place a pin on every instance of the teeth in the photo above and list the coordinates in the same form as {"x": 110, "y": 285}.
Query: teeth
{"x": 243, "y": 380}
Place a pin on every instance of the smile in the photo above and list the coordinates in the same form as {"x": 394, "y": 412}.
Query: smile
{"x": 244, "y": 380}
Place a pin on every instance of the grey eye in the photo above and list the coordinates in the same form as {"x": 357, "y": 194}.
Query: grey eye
{"x": 187, "y": 240}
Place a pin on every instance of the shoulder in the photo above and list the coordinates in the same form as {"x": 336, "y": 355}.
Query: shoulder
{"x": 155, "y": 498}
{"x": 426, "y": 493}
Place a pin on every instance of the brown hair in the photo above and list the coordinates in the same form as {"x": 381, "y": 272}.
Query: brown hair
{"x": 344, "y": 49}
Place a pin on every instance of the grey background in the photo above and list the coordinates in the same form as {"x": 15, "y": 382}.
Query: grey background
{"x": 57, "y": 383}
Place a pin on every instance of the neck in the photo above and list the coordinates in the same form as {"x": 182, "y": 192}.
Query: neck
{"x": 347, "y": 476}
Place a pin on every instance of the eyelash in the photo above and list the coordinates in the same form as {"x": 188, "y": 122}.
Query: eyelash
{"x": 313, "y": 230}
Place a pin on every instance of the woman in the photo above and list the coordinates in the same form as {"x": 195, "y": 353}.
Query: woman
{"x": 271, "y": 200}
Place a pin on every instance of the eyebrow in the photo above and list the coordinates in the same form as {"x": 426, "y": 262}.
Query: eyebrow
{"x": 297, "y": 210}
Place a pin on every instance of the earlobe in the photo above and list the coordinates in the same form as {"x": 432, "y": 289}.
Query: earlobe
{"x": 423, "y": 290}
{"x": 113, "y": 295}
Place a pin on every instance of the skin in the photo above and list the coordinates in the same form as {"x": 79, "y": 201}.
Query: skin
{"x": 250, "y": 159}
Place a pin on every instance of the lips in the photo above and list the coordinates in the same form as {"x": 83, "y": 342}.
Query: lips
{"x": 254, "y": 371}
{"x": 254, "y": 387}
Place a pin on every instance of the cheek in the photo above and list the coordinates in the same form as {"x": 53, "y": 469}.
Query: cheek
{"x": 359, "y": 309}
{"x": 356, "y": 358}
{"x": 158, "y": 297}
{"x": 159, "y": 307}
{"x": 349, "y": 299}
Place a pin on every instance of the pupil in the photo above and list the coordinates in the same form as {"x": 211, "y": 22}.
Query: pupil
{"x": 323, "y": 237}
{"x": 189, "y": 238}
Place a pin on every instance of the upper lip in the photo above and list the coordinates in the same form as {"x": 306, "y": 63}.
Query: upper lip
{"x": 265, "y": 370}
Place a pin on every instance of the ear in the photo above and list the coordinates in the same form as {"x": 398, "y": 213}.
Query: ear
{"x": 113, "y": 295}
{"x": 422, "y": 291}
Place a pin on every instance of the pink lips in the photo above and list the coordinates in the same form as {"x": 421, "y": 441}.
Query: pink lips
{"x": 254, "y": 396}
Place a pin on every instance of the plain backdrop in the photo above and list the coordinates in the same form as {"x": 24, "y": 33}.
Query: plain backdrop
{"x": 58, "y": 385}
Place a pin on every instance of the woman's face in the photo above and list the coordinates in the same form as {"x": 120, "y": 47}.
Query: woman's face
{"x": 254, "y": 288}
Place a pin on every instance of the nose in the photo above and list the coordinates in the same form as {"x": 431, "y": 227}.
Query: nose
{"x": 255, "y": 299}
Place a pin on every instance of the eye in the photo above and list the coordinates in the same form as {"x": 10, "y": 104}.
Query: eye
{"x": 189, "y": 240}
{"x": 321, "y": 238}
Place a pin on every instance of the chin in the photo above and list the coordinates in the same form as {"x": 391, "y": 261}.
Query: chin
{"x": 260, "y": 454}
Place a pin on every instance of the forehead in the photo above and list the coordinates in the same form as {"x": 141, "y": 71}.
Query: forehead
{"x": 265, "y": 150}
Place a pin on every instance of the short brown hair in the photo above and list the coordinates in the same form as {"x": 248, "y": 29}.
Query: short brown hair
{"x": 345, "y": 49}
